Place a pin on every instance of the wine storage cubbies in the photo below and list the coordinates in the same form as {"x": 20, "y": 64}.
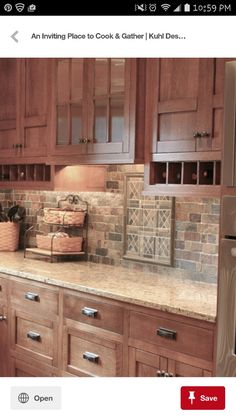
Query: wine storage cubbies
{"x": 23, "y": 174}
{"x": 187, "y": 173}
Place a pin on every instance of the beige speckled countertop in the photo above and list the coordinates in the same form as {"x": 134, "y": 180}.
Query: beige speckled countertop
{"x": 164, "y": 292}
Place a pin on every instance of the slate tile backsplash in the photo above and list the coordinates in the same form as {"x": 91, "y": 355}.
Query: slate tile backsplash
{"x": 196, "y": 226}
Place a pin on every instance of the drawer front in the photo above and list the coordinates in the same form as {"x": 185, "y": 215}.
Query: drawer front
{"x": 3, "y": 289}
{"x": 29, "y": 369}
{"x": 94, "y": 313}
{"x": 34, "y": 337}
{"x": 34, "y": 299}
{"x": 92, "y": 356}
{"x": 171, "y": 334}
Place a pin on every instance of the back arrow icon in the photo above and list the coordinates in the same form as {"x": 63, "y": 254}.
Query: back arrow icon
{"x": 13, "y": 36}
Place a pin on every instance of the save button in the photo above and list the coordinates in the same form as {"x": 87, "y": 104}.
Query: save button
{"x": 203, "y": 398}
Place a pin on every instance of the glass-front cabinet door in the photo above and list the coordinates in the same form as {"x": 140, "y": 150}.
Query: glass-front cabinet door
{"x": 107, "y": 101}
{"x": 71, "y": 119}
{"x": 96, "y": 109}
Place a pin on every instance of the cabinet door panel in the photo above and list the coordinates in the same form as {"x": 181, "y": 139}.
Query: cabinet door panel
{"x": 35, "y": 100}
{"x": 36, "y": 87}
{"x": 179, "y": 98}
{"x": 8, "y": 105}
{"x": 3, "y": 343}
{"x": 8, "y": 72}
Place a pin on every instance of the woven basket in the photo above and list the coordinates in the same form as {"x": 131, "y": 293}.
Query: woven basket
{"x": 63, "y": 216}
{"x": 59, "y": 244}
{"x": 9, "y": 236}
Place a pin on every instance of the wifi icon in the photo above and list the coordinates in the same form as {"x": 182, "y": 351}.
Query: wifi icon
{"x": 19, "y": 7}
{"x": 165, "y": 6}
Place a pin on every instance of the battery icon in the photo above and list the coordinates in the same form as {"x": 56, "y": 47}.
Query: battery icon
{"x": 187, "y": 7}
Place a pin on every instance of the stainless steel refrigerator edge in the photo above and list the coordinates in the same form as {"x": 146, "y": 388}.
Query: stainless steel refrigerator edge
{"x": 226, "y": 311}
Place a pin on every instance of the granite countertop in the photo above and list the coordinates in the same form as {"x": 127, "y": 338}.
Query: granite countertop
{"x": 164, "y": 292}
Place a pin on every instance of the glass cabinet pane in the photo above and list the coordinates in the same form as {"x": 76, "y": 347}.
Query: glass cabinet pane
{"x": 77, "y": 70}
{"x": 101, "y": 76}
{"x": 63, "y": 81}
{"x": 100, "y": 125}
{"x": 76, "y": 123}
{"x": 117, "y": 75}
{"x": 62, "y": 125}
{"x": 116, "y": 119}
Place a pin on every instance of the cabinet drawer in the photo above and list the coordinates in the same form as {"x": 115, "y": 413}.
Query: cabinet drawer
{"x": 93, "y": 312}
{"x": 92, "y": 356}
{"x": 28, "y": 368}
{"x": 171, "y": 334}
{"x": 34, "y": 336}
{"x": 42, "y": 300}
{"x": 3, "y": 289}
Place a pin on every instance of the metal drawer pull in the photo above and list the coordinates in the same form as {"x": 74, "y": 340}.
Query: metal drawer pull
{"x": 89, "y": 356}
{"x": 166, "y": 333}
{"x": 2, "y": 317}
{"x": 31, "y": 296}
{"x": 33, "y": 335}
{"x": 89, "y": 312}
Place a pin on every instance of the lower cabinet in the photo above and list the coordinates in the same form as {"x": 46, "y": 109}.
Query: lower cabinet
{"x": 167, "y": 345}
{"x": 88, "y": 354}
{"x": 146, "y": 364}
{"x": 3, "y": 341}
{"x": 49, "y": 331}
{"x": 34, "y": 336}
{"x": 29, "y": 368}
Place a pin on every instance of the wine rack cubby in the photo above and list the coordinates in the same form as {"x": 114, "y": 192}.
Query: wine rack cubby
{"x": 24, "y": 173}
{"x": 187, "y": 173}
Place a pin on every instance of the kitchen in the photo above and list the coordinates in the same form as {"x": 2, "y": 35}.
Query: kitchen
{"x": 139, "y": 143}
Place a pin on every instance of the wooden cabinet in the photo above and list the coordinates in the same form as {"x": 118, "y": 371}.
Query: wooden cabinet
{"x": 147, "y": 364}
{"x": 165, "y": 345}
{"x": 93, "y": 336}
{"x": 184, "y": 125}
{"x": 34, "y": 324}
{"x": 9, "y": 77}
{"x": 50, "y": 331}
{"x": 3, "y": 329}
{"x": 25, "y": 109}
{"x": 90, "y": 354}
{"x": 99, "y": 110}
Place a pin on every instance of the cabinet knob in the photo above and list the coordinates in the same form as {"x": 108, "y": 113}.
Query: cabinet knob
{"x": 91, "y": 357}
{"x": 89, "y": 312}
{"x": 196, "y": 134}
{"x": 204, "y": 134}
{"x": 84, "y": 140}
{"x": 162, "y": 373}
{"x": 33, "y": 335}
{"x": 2, "y": 317}
{"x": 31, "y": 296}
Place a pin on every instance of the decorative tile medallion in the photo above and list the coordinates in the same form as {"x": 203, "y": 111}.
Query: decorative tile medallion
{"x": 148, "y": 224}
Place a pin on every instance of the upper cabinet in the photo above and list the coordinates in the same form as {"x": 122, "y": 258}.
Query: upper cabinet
{"x": 8, "y": 105}
{"x": 99, "y": 110}
{"x": 184, "y": 125}
{"x": 24, "y": 109}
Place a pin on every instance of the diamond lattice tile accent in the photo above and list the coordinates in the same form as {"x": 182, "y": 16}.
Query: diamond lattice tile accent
{"x": 149, "y": 224}
{"x": 147, "y": 246}
{"x": 149, "y": 217}
{"x": 134, "y": 216}
{"x": 132, "y": 243}
{"x": 164, "y": 218}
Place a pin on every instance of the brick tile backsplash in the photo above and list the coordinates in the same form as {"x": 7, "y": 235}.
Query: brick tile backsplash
{"x": 196, "y": 226}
